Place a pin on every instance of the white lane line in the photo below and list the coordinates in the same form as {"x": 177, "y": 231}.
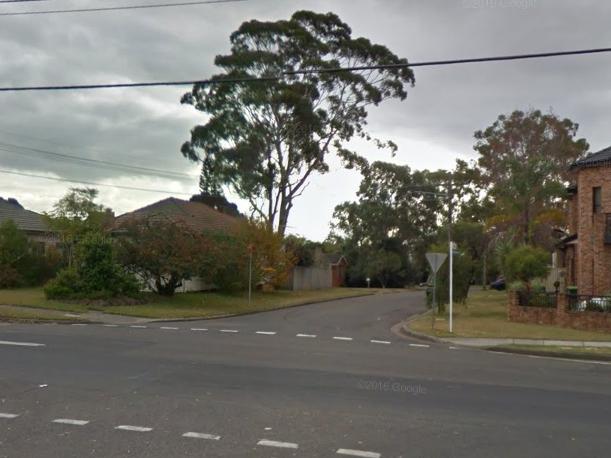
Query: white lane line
{"x": 140, "y": 429}
{"x": 228, "y": 330}
{"x": 211, "y": 437}
{"x": 453, "y": 348}
{"x": 268, "y": 443}
{"x": 110, "y": 325}
{"x": 8, "y": 415}
{"x": 386, "y": 342}
{"x": 310, "y": 336}
{"x": 21, "y": 344}
{"x": 266, "y": 333}
{"x": 169, "y": 328}
{"x": 419, "y": 345}
{"x": 137, "y": 326}
{"x": 79, "y": 324}
{"x": 199, "y": 329}
{"x": 342, "y": 338}
{"x": 70, "y": 421}
{"x": 361, "y": 453}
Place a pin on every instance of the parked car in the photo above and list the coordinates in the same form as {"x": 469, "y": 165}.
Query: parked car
{"x": 498, "y": 284}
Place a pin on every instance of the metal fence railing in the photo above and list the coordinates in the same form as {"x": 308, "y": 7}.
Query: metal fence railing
{"x": 589, "y": 303}
{"x": 537, "y": 299}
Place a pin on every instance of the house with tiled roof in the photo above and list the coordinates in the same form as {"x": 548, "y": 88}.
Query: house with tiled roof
{"x": 585, "y": 252}
{"x": 194, "y": 215}
{"x": 31, "y": 223}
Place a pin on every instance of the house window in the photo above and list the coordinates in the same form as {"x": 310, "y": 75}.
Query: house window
{"x": 596, "y": 199}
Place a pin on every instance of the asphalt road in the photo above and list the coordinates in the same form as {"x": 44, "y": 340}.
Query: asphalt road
{"x": 324, "y": 380}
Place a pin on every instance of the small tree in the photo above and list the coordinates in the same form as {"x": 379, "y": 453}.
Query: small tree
{"x": 77, "y": 214}
{"x": 164, "y": 253}
{"x": 526, "y": 263}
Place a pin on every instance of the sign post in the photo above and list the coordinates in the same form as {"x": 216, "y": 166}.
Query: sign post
{"x": 435, "y": 261}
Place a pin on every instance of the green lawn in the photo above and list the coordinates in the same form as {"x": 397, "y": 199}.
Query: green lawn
{"x": 13, "y": 313}
{"x": 485, "y": 315}
{"x": 186, "y": 305}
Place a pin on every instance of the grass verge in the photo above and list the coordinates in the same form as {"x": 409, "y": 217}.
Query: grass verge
{"x": 15, "y": 313}
{"x": 485, "y": 315}
{"x": 593, "y": 353}
{"x": 184, "y": 305}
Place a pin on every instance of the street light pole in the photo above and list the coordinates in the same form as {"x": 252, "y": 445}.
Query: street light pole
{"x": 451, "y": 252}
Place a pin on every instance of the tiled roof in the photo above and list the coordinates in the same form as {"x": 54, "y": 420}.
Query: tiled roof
{"x": 197, "y": 216}
{"x": 25, "y": 220}
{"x": 602, "y": 157}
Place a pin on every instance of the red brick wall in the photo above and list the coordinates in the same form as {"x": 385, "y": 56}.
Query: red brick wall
{"x": 559, "y": 316}
{"x": 593, "y": 257}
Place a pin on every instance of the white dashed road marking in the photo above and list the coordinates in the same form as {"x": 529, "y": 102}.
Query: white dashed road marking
{"x": 453, "y": 348}
{"x": 229, "y": 330}
{"x": 110, "y": 325}
{"x": 311, "y": 336}
{"x": 419, "y": 345}
{"x": 140, "y": 429}
{"x": 137, "y": 326}
{"x": 21, "y": 344}
{"x": 266, "y": 333}
{"x": 8, "y": 415}
{"x": 70, "y": 421}
{"x": 199, "y": 329}
{"x": 268, "y": 443}
{"x": 169, "y": 328}
{"x": 361, "y": 453}
{"x": 387, "y": 342}
{"x": 342, "y": 338}
{"x": 211, "y": 437}
{"x": 79, "y": 324}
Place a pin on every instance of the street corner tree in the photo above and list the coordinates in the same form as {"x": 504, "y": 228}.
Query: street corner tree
{"x": 264, "y": 139}
{"x": 524, "y": 162}
{"x": 526, "y": 263}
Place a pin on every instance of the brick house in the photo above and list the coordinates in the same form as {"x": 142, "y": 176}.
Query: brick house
{"x": 585, "y": 253}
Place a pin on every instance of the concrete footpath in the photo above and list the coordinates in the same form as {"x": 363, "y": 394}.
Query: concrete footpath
{"x": 486, "y": 342}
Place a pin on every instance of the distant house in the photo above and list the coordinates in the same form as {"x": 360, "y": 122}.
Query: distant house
{"x": 196, "y": 216}
{"x": 31, "y": 223}
{"x": 585, "y": 253}
{"x": 327, "y": 271}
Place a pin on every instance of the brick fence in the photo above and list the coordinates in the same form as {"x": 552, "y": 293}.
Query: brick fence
{"x": 559, "y": 315}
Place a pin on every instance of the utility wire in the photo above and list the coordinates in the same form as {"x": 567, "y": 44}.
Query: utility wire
{"x": 131, "y": 188}
{"x": 116, "y": 8}
{"x": 22, "y": 1}
{"x": 305, "y": 71}
{"x": 94, "y": 162}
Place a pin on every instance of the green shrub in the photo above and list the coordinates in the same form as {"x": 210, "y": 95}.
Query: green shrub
{"x": 95, "y": 274}
{"x": 526, "y": 263}
{"x": 463, "y": 272}
{"x": 537, "y": 285}
{"x": 9, "y": 277}
{"x": 516, "y": 286}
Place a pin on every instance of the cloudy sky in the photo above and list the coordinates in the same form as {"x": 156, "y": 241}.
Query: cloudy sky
{"x": 145, "y": 127}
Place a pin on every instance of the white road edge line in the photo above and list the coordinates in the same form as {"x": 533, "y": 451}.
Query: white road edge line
{"x": 452, "y": 348}
{"x": 110, "y": 325}
{"x": 266, "y": 333}
{"x": 229, "y": 330}
{"x": 70, "y": 421}
{"x": 342, "y": 338}
{"x": 137, "y": 326}
{"x": 211, "y": 437}
{"x": 311, "y": 336}
{"x": 8, "y": 415}
{"x": 79, "y": 324}
{"x": 199, "y": 329}
{"x": 169, "y": 328}
{"x": 419, "y": 345}
{"x": 268, "y": 443}
{"x": 140, "y": 429}
{"x": 21, "y": 344}
{"x": 387, "y": 342}
{"x": 361, "y": 453}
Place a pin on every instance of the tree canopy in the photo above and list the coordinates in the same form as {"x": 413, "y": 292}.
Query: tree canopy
{"x": 265, "y": 139}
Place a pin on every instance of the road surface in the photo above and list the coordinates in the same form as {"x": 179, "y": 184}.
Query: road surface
{"x": 323, "y": 380}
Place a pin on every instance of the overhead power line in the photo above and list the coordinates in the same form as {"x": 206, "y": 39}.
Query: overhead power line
{"x": 22, "y": 1}
{"x": 18, "y": 149}
{"x": 90, "y": 183}
{"x": 117, "y": 8}
{"x": 305, "y": 71}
